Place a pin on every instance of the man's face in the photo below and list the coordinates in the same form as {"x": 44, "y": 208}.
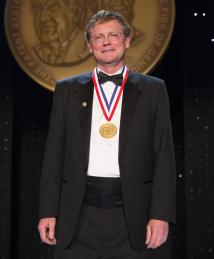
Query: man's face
{"x": 53, "y": 21}
{"x": 108, "y": 44}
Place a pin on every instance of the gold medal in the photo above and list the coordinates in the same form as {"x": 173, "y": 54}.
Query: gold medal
{"x": 108, "y": 130}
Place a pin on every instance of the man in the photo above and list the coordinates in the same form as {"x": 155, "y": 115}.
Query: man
{"x": 108, "y": 181}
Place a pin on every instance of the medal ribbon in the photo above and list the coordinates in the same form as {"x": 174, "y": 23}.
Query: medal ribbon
{"x": 96, "y": 84}
{"x": 112, "y": 97}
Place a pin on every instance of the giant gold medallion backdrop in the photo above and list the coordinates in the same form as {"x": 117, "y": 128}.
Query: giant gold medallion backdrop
{"x": 46, "y": 36}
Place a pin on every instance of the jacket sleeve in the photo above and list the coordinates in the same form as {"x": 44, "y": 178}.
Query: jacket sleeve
{"x": 162, "y": 205}
{"x": 50, "y": 183}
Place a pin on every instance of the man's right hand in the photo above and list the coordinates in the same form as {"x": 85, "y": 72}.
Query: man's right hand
{"x": 46, "y": 228}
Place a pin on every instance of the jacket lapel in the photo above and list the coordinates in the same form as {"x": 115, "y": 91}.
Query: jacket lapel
{"x": 84, "y": 97}
{"x": 131, "y": 94}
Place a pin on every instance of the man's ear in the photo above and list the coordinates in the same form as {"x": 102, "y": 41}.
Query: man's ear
{"x": 127, "y": 42}
{"x": 89, "y": 47}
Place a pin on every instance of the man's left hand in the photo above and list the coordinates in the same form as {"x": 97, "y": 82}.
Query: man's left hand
{"x": 157, "y": 232}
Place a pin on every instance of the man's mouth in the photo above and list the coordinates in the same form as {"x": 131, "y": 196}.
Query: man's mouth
{"x": 108, "y": 51}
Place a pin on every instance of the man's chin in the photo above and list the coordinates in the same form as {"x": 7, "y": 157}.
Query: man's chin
{"x": 108, "y": 62}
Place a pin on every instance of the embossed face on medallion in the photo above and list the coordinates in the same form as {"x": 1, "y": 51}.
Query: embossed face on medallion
{"x": 56, "y": 23}
{"x": 53, "y": 20}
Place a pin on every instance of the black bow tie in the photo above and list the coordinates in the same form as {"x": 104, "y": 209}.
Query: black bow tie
{"x": 116, "y": 79}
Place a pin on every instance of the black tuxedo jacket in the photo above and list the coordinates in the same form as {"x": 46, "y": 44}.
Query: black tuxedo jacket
{"x": 146, "y": 156}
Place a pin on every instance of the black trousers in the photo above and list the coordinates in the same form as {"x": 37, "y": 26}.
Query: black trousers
{"x": 101, "y": 234}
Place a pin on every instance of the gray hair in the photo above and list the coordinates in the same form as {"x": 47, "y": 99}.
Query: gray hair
{"x": 105, "y": 16}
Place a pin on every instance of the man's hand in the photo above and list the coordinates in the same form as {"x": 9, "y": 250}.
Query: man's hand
{"x": 47, "y": 230}
{"x": 157, "y": 232}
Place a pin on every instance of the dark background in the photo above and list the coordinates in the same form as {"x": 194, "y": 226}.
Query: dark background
{"x": 187, "y": 68}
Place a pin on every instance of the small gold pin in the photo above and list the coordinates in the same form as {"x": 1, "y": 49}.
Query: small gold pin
{"x": 84, "y": 104}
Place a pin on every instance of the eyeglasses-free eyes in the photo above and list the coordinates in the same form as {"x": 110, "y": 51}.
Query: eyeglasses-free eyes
{"x": 112, "y": 36}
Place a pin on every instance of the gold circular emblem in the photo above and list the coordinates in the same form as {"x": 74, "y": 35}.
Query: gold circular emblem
{"x": 108, "y": 130}
{"x": 84, "y": 104}
{"x": 46, "y": 36}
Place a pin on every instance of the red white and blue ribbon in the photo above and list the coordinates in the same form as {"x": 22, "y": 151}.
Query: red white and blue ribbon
{"x": 100, "y": 92}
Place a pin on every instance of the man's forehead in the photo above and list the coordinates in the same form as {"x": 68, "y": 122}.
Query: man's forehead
{"x": 104, "y": 22}
{"x": 98, "y": 26}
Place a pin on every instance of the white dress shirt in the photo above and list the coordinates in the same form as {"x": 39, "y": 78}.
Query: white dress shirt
{"x": 103, "y": 154}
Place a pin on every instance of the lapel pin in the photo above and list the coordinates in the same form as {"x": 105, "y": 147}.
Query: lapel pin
{"x": 84, "y": 104}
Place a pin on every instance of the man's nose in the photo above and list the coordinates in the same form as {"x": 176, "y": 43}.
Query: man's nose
{"x": 45, "y": 15}
{"x": 106, "y": 40}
